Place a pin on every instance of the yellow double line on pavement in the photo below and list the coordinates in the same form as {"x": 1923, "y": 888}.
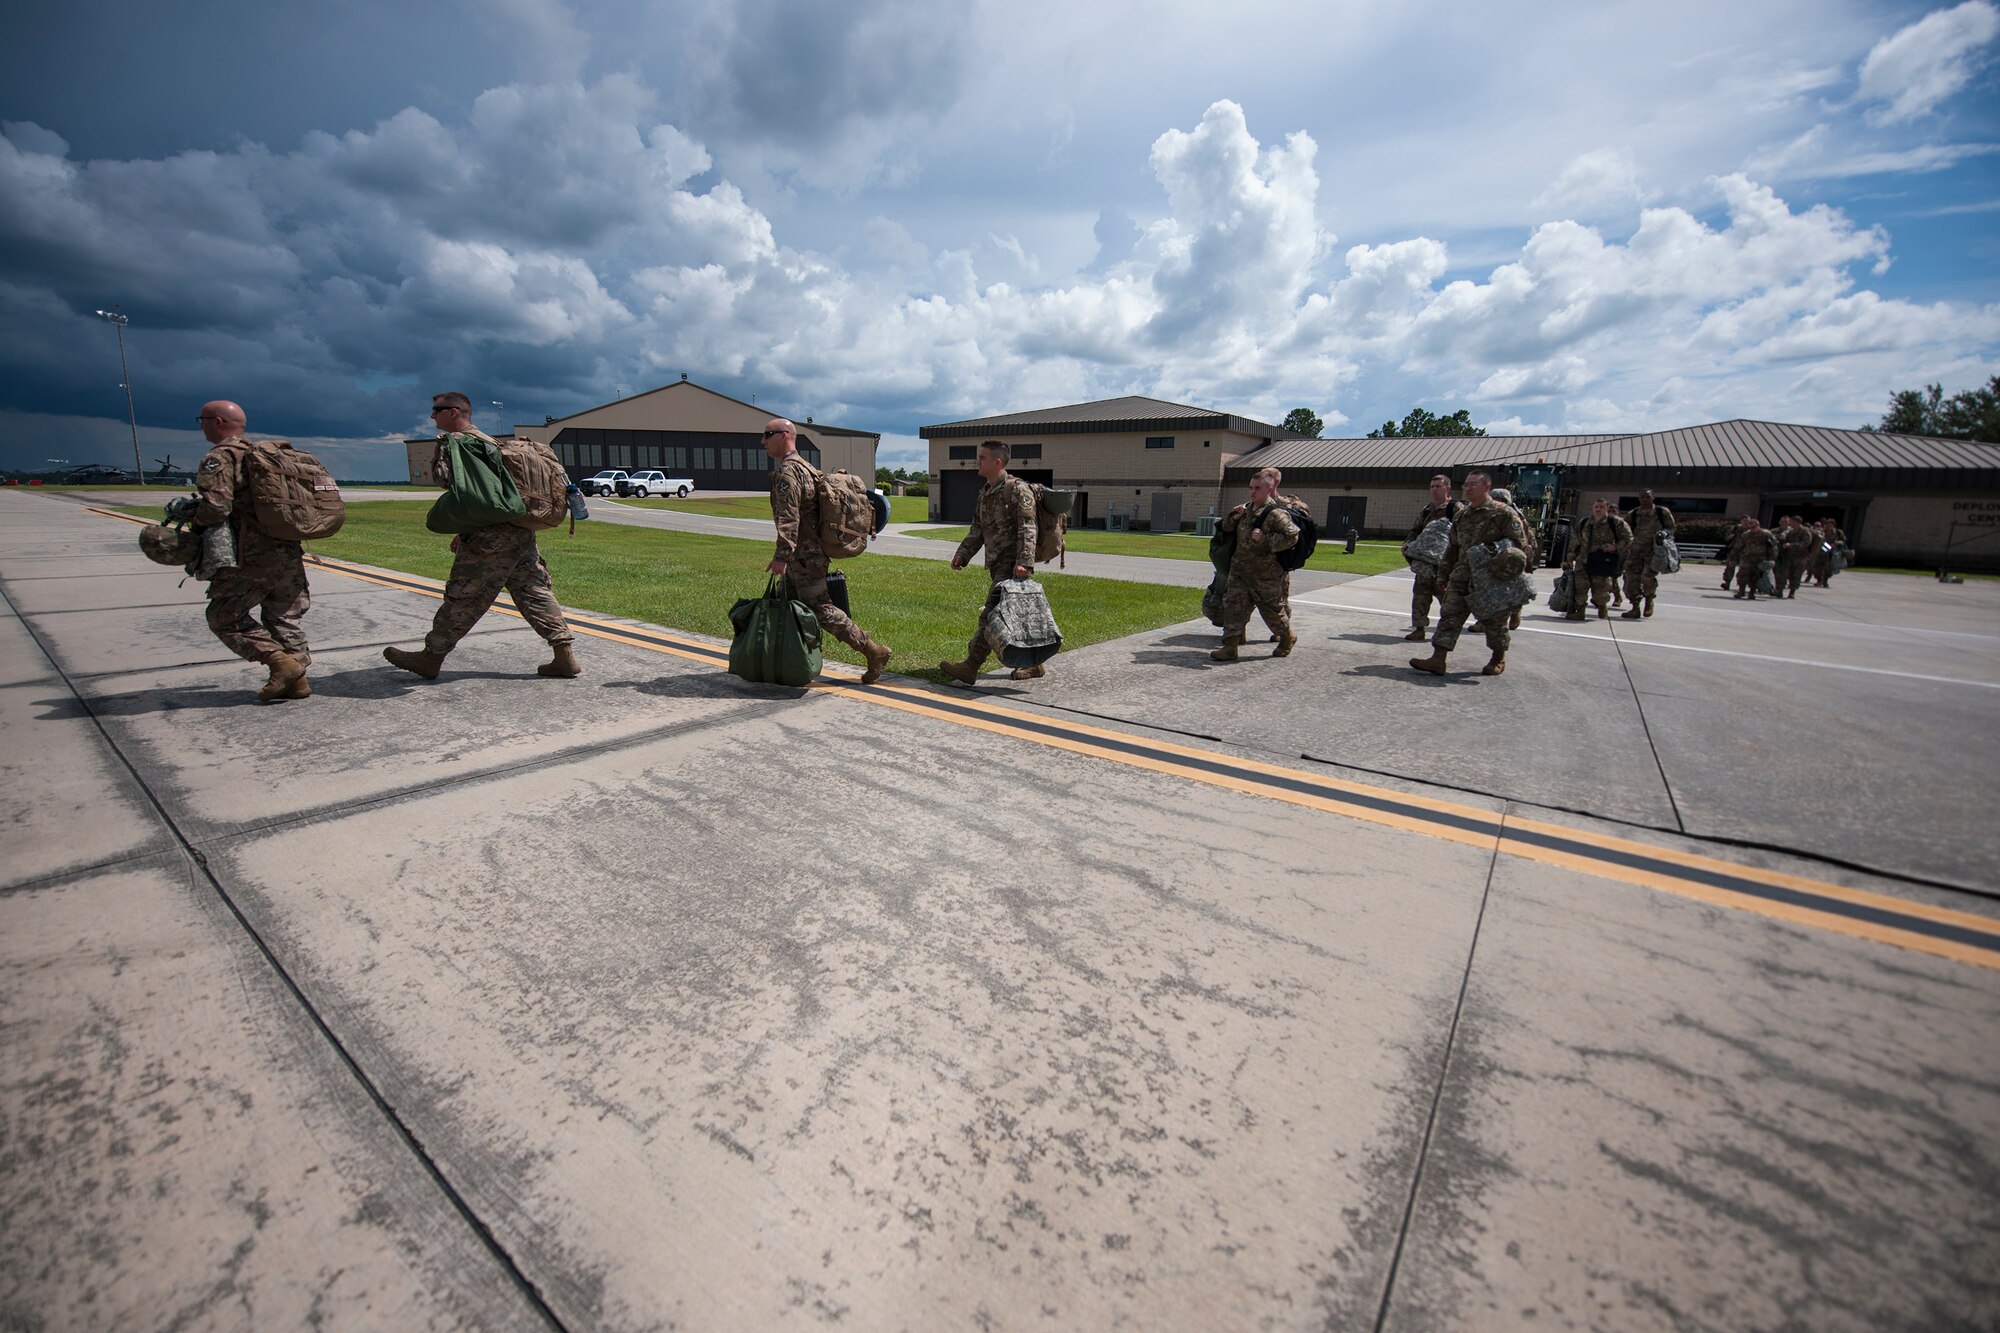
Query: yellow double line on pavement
{"x": 1961, "y": 936}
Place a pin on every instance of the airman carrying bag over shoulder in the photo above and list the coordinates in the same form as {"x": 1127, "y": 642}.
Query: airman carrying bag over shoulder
{"x": 482, "y": 492}
{"x": 292, "y": 496}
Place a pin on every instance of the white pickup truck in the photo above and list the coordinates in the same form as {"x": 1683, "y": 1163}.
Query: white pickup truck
{"x": 644, "y": 484}
{"x": 611, "y": 480}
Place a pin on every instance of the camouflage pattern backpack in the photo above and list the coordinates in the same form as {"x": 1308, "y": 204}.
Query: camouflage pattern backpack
{"x": 846, "y": 513}
{"x": 293, "y": 498}
{"x": 1051, "y": 523}
{"x": 544, "y": 485}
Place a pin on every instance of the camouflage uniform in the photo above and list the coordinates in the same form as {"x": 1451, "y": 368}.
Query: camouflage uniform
{"x": 1427, "y": 585}
{"x": 1256, "y": 579}
{"x": 1820, "y": 564}
{"x": 1591, "y": 534}
{"x": 484, "y": 561}
{"x": 1476, "y": 524}
{"x": 270, "y": 574}
{"x": 1748, "y": 549}
{"x": 795, "y": 509}
{"x": 1647, "y": 523}
{"x": 1003, "y": 522}
{"x": 1795, "y": 546}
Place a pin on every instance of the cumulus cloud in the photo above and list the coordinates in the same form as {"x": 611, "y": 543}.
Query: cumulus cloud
{"x": 1605, "y": 180}
{"x": 1914, "y": 70}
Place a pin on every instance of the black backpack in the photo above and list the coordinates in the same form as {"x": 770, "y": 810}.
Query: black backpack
{"x": 1295, "y": 556}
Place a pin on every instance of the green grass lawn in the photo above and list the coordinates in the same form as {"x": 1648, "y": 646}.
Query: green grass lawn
{"x": 1368, "y": 557}
{"x": 688, "y": 581}
{"x": 902, "y": 508}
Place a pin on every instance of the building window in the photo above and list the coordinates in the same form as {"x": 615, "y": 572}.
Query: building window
{"x": 1027, "y": 451}
{"x": 704, "y": 460}
{"x": 593, "y": 455}
{"x": 958, "y": 452}
{"x": 811, "y": 453}
{"x": 1159, "y": 441}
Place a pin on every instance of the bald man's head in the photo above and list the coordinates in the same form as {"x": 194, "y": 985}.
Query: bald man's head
{"x": 221, "y": 420}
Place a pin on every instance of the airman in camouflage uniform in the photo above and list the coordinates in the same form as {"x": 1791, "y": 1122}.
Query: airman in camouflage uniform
{"x": 1603, "y": 532}
{"x": 501, "y": 555}
{"x": 1483, "y": 520}
{"x": 1748, "y": 550}
{"x": 1532, "y": 548}
{"x": 1003, "y": 522}
{"x": 1795, "y": 547}
{"x": 799, "y": 559}
{"x": 269, "y": 577}
{"x": 1263, "y": 528}
{"x": 1819, "y": 563}
{"x": 1647, "y": 521}
{"x": 1428, "y": 585}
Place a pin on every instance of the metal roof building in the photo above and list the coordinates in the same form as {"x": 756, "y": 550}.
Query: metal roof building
{"x": 1898, "y": 497}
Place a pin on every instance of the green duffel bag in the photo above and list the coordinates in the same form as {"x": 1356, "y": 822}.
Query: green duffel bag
{"x": 1222, "y": 549}
{"x": 481, "y": 491}
{"x": 777, "y": 639}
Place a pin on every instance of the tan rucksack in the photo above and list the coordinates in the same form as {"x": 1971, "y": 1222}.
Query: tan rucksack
{"x": 292, "y": 496}
{"x": 846, "y": 513}
{"x": 1051, "y": 522}
{"x": 538, "y": 474}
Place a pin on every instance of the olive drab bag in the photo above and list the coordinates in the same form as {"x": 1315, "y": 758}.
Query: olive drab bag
{"x": 292, "y": 496}
{"x": 1052, "y": 508}
{"x": 777, "y": 638}
{"x": 482, "y": 492}
{"x": 538, "y": 474}
{"x": 846, "y": 513}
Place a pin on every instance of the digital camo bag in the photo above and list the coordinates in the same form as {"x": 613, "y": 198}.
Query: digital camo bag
{"x": 1023, "y": 625}
{"x": 1493, "y": 597}
{"x": 1666, "y": 556}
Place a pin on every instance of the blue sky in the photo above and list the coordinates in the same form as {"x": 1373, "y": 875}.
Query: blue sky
{"x": 887, "y": 213}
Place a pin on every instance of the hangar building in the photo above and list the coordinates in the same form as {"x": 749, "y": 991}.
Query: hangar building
{"x": 684, "y": 430}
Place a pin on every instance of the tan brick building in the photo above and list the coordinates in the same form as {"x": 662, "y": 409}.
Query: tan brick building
{"x": 1142, "y": 459}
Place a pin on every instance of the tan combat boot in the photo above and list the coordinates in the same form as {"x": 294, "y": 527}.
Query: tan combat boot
{"x": 1417, "y": 635}
{"x": 878, "y": 657}
{"x": 1495, "y": 665}
{"x": 1433, "y": 664}
{"x": 1286, "y": 642}
{"x": 1227, "y": 652}
{"x": 424, "y": 663}
{"x": 563, "y": 666}
{"x": 1631, "y": 612}
{"x": 1028, "y": 673}
{"x": 286, "y": 672}
{"x": 965, "y": 673}
{"x": 1649, "y": 606}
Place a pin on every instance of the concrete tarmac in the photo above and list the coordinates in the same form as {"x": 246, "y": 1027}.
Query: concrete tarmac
{"x": 653, "y": 999}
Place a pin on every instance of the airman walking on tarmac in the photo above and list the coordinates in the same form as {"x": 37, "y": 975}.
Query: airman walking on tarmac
{"x": 1263, "y": 528}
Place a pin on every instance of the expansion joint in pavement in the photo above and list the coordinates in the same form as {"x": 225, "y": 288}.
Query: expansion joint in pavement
{"x": 1437, "y": 1096}
{"x": 199, "y": 861}
{"x": 1646, "y": 728}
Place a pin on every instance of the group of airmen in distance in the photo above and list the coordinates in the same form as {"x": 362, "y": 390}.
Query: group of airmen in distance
{"x": 256, "y": 608}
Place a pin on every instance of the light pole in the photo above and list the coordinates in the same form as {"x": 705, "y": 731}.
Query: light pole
{"x": 499, "y": 411}
{"x": 119, "y": 322}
